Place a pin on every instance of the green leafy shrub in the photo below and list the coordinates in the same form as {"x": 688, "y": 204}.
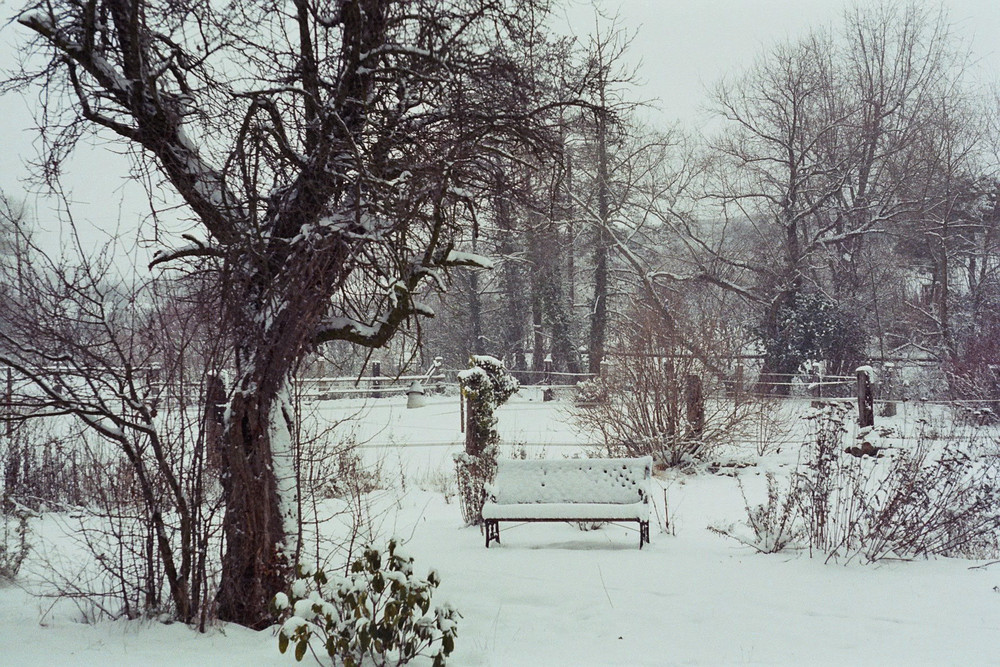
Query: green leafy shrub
{"x": 380, "y": 611}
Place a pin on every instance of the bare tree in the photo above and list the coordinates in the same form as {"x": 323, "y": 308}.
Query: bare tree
{"x": 605, "y": 58}
{"x": 127, "y": 362}
{"x": 329, "y": 153}
{"x": 824, "y": 154}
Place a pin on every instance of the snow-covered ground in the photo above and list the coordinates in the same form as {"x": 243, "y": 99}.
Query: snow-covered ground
{"x": 553, "y": 594}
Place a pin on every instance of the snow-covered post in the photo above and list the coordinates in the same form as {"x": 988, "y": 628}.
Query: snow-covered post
{"x": 486, "y": 385}
{"x": 866, "y": 406}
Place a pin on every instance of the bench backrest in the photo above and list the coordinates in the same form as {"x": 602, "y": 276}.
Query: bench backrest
{"x": 617, "y": 481}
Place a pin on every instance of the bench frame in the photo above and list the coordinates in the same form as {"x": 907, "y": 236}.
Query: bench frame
{"x": 492, "y": 526}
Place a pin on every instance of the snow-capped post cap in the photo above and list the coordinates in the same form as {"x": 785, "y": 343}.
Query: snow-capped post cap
{"x": 415, "y": 397}
{"x": 867, "y": 370}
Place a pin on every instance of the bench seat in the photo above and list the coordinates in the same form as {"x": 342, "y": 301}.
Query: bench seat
{"x": 569, "y": 490}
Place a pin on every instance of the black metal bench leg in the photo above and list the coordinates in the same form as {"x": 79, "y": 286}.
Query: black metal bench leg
{"x": 492, "y": 532}
{"x": 643, "y": 533}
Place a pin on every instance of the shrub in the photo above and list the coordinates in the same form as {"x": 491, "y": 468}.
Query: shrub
{"x": 663, "y": 385}
{"x": 14, "y": 533}
{"x": 921, "y": 499}
{"x": 485, "y": 386}
{"x": 811, "y": 326}
{"x": 642, "y": 406}
{"x": 773, "y": 525}
{"x": 380, "y": 610}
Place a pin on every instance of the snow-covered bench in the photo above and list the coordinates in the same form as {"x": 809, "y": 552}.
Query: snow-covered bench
{"x": 569, "y": 490}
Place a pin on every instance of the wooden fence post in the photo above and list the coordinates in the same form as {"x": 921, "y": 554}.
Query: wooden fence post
{"x": 216, "y": 399}
{"x": 695, "y": 400}
{"x": 547, "y": 393}
{"x": 376, "y": 373}
{"x": 866, "y": 412}
{"x": 886, "y": 390}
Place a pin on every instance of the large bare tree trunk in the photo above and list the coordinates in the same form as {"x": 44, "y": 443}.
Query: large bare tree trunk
{"x": 256, "y": 563}
{"x": 599, "y": 312}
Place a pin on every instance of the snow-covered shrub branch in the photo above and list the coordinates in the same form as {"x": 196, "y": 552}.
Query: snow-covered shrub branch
{"x": 117, "y": 369}
{"x": 771, "y": 526}
{"x": 380, "y": 612}
{"x": 921, "y": 498}
{"x": 15, "y": 532}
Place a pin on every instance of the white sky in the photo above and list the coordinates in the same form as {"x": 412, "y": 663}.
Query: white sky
{"x": 682, "y": 47}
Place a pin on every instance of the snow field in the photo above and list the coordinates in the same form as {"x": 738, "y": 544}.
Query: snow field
{"x": 553, "y": 594}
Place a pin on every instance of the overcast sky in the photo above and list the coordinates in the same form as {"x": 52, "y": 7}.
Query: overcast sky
{"x": 682, "y": 47}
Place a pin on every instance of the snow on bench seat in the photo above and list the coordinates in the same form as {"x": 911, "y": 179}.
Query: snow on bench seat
{"x": 569, "y": 490}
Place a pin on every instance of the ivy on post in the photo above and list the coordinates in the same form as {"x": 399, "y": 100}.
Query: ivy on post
{"x": 486, "y": 385}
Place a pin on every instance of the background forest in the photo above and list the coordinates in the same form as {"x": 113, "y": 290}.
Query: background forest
{"x": 842, "y": 209}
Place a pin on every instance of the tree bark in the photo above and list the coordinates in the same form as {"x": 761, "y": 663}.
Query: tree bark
{"x": 255, "y": 565}
{"x": 599, "y": 312}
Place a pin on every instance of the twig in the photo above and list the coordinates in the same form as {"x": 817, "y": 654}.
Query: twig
{"x": 605, "y": 586}
{"x": 983, "y": 566}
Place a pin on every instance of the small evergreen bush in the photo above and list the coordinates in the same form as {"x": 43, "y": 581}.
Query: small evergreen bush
{"x": 380, "y": 610}
{"x": 486, "y": 386}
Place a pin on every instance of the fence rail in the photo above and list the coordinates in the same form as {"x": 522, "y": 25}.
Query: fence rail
{"x": 365, "y": 385}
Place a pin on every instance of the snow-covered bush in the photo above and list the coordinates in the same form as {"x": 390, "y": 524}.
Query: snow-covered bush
{"x": 379, "y": 611}
{"x": 868, "y": 502}
{"x": 486, "y": 385}
{"x": 339, "y": 472}
{"x": 772, "y": 526}
{"x": 918, "y": 499}
{"x": 643, "y": 406}
{"x": 663, "y": 385}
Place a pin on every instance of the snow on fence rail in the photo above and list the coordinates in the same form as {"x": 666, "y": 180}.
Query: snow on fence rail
{"x": 365, "y": 385}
